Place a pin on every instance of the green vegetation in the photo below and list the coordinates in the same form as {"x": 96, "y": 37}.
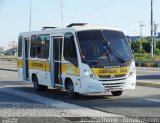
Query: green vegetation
{"x": 8, "y": 58}
{"x": 12, "y": 56}
{"x": 144, "y": 54}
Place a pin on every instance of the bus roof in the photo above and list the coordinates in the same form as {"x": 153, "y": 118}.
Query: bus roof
{"x": 70, "y": 29}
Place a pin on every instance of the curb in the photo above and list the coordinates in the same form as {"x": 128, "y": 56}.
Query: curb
{"x": 8, "y": 69}
{"x": 148, "y": 84}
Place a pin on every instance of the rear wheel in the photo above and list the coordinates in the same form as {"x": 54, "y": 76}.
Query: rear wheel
{"x": 117, "y": 93}
{"x": 37, "y": 86}
{"x": 70, "y": 90}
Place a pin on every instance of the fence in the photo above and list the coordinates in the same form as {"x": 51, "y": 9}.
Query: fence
{"x": 8, "y": 59}
{"x": 142, "y": 62}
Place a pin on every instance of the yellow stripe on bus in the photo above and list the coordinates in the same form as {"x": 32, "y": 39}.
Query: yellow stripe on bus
{"x": 110, "y": 71}
{"x": 19, "y": 63}
{"x": 39, "y": 65}
{"x": 70, "y": 69}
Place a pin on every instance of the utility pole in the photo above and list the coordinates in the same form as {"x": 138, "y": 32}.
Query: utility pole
{"x": 30, "y": 15}
{"x": 140, "y": 38}
{"x": 155, "y": 33}
{"x": 61, "y": 5}
{"x": 151, "y": 29}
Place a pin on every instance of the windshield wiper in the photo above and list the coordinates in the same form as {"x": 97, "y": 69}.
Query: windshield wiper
{"x": 118, "y": 56}
{"x": 111, "y": 50}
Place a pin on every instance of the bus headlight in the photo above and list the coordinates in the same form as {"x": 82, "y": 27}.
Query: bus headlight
{"x": 88, "y": 74}
{"x": 132, "y": 71}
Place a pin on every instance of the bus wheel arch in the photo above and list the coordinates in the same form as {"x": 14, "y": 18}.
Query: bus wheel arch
{"x": 36, "y": 84}
{"x": 33, "y": 77}
{"x": 69, "y": 86}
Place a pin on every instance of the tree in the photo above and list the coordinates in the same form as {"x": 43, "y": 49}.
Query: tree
{"x": 146, "y": 45}
{"x": 135, "y": 47}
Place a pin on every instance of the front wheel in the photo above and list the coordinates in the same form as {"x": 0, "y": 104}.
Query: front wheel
{"x": 117, "y": 93}
{"x": 70, "y": 90}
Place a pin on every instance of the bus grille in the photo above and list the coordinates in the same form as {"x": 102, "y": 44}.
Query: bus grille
{"x": 113, "y": 85}
{"x": 108, "y": 77}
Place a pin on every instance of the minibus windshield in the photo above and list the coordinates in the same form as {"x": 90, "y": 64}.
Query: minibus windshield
{"x": 104, "y": 45}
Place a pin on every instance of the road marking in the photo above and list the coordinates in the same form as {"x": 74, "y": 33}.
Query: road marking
{"x": 76, "y": 110}
{"x": 154, "y": 100}
{"x": 4, "y": 76}
{"x": 8, "y": 77}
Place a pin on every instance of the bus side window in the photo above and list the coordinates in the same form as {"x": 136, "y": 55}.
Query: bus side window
{"x": 20, "y": 46}
{"x": 33, "y": 48}
{"x": 70, "y": 53}
{"x": 43, "y": 46}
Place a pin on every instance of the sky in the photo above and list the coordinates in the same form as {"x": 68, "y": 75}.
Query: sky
{"x": 123, "y": 14}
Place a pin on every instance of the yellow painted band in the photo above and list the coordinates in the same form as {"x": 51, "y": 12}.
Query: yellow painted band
{"x": 70, "y": 69}
{"x": 19, "y": 63}
{"x": 39, "y": 65}
{"x": 110, "y": 71}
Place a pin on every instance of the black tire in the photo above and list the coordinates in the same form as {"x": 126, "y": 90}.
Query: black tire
{"x": 37, "y": 86}
{"x": 70, "y": 90}
{"x": 117, "y": 93}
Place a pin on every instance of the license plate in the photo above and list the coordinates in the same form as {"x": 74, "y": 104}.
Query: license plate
{"x": 113, "y": 89}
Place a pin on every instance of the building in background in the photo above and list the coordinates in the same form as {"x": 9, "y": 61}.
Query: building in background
{"x": 12, "y": 44}
{"x": 158, "y": 38}
{"x": 134, "y": 38}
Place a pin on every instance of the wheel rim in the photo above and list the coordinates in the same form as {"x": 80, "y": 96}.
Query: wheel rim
{"x": 35, "y": 84}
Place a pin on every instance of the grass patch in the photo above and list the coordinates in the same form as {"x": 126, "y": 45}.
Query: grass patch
{"x": 145, "y": 57}
{"x": 8, "y": 58}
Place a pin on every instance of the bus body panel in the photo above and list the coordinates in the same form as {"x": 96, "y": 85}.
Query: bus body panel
{"x": 43, "y": 77}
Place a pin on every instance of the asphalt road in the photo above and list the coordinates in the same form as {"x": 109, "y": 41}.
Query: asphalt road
{"x": 147, "y": 73}
{"x": 8, "y": 65}
{"x": 142, "y": 102}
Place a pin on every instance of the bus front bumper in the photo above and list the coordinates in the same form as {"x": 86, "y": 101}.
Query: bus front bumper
{"x": 89, "y": 86}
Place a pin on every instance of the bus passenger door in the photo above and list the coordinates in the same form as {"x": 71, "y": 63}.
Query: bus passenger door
{"x": 57, "y": 59}
{"x": 25, "y": 58}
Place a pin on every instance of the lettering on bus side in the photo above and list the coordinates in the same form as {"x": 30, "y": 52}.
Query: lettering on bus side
{"x": 37, "y": 65}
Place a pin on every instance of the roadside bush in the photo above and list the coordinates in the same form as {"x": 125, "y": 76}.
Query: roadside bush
{"x": 146, "y": 46}
{"x": 135, "y": 46}
{"x": 157, "y": 51}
